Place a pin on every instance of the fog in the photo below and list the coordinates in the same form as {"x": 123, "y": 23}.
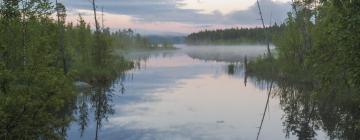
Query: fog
{"x": 225, "y": 53}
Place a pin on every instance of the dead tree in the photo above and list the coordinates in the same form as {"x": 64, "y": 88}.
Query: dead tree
{"x": 264, "y": 27}
{"x": 97, "y": 26}
{"x": 102, "y": 18}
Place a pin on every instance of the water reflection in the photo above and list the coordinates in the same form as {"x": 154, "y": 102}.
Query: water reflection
{"x": 229, "y": 54}
{"x": 165, "y": 91}
{"x": 308, "y": 109}
{"x": 96, "y": 101}
{"x": 195, "y": 93}
{"x": 311, "y": 110}
{"x": 266, "y": 108}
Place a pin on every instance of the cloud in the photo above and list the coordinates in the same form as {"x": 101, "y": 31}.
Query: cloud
{"x": 151, "y": 11}
{"x": 277, "y": 11}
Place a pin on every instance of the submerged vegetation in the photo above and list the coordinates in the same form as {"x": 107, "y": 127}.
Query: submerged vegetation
{"x": 316, "y": 69}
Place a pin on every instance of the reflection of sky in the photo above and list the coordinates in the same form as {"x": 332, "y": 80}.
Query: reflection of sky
{"x": 193, "y": 109}
{"x": 181, "y": 98}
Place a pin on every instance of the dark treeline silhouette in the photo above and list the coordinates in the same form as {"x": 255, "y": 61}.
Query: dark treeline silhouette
{"x": 232, "y": 36}
{"x": 157, "y": 39}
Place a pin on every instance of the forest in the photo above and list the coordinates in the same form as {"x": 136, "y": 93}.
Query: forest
{"x": 58, "y": 78}
{"x": 320, "y": 39}
{"x": 233, "y": 36}
{"x": 44, "y": 59}
{"x": 317, "y": 61}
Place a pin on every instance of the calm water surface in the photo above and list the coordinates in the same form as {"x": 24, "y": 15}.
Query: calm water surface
{"x": 193, "y": 93}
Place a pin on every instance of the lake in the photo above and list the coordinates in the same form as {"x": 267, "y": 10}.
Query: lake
{"x": 192, "y": 93}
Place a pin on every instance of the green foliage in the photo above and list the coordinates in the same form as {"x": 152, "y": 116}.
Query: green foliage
{"x": 127, "y": 38}
{"x": 290, "y": 48}
{"x": 326, "y": 48}
{"x": 317, "y": 69}
{"x": 34, "y": 92}
{"x": 232, "y": 36}
{"x": 336, "y": 53}
{"x": 37, "y": 95}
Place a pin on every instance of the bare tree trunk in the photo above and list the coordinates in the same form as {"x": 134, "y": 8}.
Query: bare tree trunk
{"x": 95, "y": 17}
{"x": 265, "y": 30}
{"x": 102, "y": 18}
{"x": 98, "y": 48}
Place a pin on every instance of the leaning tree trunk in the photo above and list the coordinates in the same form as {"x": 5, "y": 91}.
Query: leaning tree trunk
{"x": 97, "y": 26}
{"x": 264, "y": 27}
{"x": 98, "y": 52}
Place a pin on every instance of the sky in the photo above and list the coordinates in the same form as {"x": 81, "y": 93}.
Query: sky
{"x": 178, "y": 17}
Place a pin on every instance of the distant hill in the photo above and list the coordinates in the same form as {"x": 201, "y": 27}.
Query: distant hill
{"x": 159, "y": 39}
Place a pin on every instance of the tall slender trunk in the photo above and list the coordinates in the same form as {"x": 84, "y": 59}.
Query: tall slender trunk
{"x": 61, "y": 38}
{"x": 63, "y": 53}
{"x": 102, "y": 18}
{"x": 246, "y": 70}
{"x": 97, "y": 26}
{"x": 24, "y": 32}
{"x": 307, "y": 15}
{"x": 264, "y": 27}
{"x": 302, "y": 18}
{"x": 266, "y": 107}
{"x": 98, "y": 48}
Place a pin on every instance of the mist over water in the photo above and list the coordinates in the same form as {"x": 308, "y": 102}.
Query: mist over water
{"x": 195, "y": 93}
{"x": 225, "y": 53}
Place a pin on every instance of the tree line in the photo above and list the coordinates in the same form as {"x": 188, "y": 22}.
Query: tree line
{"x": 233, "y": 35}
{"x": 128, "y": 39}
{"x": 41, "y": 57}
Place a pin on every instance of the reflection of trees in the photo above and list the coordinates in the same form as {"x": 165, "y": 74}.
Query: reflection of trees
{"x": 309, "y": 105}
{"x": 83, "y": 111}
{"x": 144, "y": 55}
{"x": 101, "y": 100}
{"x": 225, "y": 54}
{"x": 215, "y": 56}
{"x": 308, "y": 108}
{"x": 340, "y": 113}
{"x": 300, "y": 110}
{"x": 234, "y": 68}
{"x": 98, "y": 98}
{"x": 141, "y": 58}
